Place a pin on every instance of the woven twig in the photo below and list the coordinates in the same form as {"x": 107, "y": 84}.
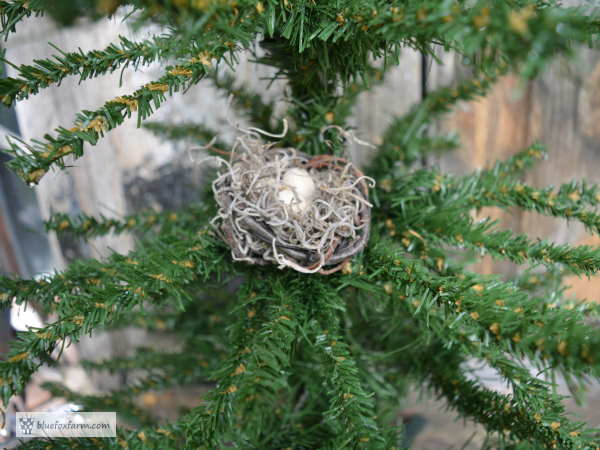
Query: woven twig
{"x": 262, "y": 230}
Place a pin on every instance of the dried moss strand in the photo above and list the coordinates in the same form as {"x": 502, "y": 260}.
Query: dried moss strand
{"x": 261, "y": 228}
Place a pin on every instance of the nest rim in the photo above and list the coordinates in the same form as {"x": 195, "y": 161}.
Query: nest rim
{"x": 341, "y": 250}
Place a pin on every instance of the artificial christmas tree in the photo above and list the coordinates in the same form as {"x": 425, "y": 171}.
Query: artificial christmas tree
{"x": 317, "y": 360}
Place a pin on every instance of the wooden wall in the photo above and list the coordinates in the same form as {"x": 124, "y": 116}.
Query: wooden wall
{"x": 561, "y": 109}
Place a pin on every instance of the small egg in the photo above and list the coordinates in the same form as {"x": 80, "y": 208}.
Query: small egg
{"x": 300, "y": 181}
{"x": 286, "y": 196}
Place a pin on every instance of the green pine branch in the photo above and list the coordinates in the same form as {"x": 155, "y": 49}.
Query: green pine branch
{"x": 548, "y": 283}
{"x": 14, "y": 11}
{"x": 86, "y": 226}
{"x": 157, "y": 271}
{"x": 427, "y": 197}
{"x": 351, "y": 411}
{"x": 164, "y": 368}
{"x": 461, "y": 231}
{"x": 252, "y": 378}
{"x": 526, "y": 38}
{"x": 196, "y": 132}
{"x": 45, "y": 72}
{"x": 423, "y": 339}
{"x": 404, "y": 139}
{"x": 546, "y": 427}
{"x": 532, "y": 413}
{"x": 447, "y": 317}
{"x": 565, "y": 203}
{"x": 32, "y": 161}
{"x": 496, "y": 313}
{"x": 518, "y": 164}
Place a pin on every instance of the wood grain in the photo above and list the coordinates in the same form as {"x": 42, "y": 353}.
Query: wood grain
{"x": 560, "y": 109}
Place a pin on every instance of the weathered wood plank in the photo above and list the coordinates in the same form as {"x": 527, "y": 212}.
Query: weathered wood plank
{"x": 376, "y": 108}
{"x": 558, "y": 109}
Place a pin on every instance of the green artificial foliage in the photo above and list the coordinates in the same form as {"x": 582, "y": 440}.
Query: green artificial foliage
{"x": 311, "y": 361}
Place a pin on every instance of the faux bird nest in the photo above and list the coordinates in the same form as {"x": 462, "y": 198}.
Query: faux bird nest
{"x": 281, "y": 206}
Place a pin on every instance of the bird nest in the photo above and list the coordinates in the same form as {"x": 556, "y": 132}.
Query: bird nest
{"x": 281, "y": 206}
